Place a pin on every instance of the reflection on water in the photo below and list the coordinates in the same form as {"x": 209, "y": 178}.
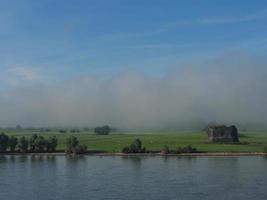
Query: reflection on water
{"x": 135, "y": 161}
{"x": 98, "y": 177}
{"x": 75, "y": 158}
{"x": 2, "y": 158}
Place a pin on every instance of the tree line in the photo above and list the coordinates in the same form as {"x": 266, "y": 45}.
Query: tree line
{"x": 34, "y": 144}
{"x": 38, "y": 144}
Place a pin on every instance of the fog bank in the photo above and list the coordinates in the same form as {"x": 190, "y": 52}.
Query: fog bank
{"x": 221, "y": 91}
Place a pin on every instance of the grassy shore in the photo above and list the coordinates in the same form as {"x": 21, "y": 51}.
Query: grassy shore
{"x": 154, "y": 141}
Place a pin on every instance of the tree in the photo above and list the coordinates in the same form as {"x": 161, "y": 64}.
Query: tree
{"x": 13, "y": 141}
{"x": 3, "y": 142}
{"x": 81, "y": 149}
{"x": 86, "y": 129}
{"x": 137, "y": 144}
{"x": 126, "y": 150}
{"x": 51, "y": 144}
{"x": 104, "y": 130}
{"x": 135, "y": 147}
{"x": 75, "y": 130}
{"x": 23, "y": 144}
{"x": 33, "y": 142}
{"x": 18, "y": 127}
{"x": 40, "y": 144}
{"x": 73, "y": 146}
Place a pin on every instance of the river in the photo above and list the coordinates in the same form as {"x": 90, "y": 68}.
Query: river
{"x": 132, "y": 178}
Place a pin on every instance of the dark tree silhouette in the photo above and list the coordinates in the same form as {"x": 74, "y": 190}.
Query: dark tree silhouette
{"x": 3, "y": 142}
{"x": 33, "y": 143}
{"x": 104, "y": 130}
{"x": 135, "y": 147}
{"x": 73, "y": 146}
{"x": 51, "y": 144}
{"x": 12, "y": 142}
{"x": 23, "y": 144}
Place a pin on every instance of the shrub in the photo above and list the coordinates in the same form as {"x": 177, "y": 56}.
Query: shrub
{"x": 186, "y": 149}
{"x": 81, "y": 149}
{"x": 135, "y": 147}
{"x": 73, "y": 146}
{"x": 126, "y": 150}
{"x": 165, "y": 150}
{"x": 265, "y": 149}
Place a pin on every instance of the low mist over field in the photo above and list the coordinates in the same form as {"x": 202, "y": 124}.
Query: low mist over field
{"x": 228, "y": 89}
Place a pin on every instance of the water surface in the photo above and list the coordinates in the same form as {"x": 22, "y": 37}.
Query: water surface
{"x": 132, "y": 178}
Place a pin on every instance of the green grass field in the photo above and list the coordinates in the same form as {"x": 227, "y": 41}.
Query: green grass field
{"x": 154, "y": 141}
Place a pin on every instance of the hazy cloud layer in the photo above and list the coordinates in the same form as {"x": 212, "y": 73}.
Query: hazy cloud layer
{"x": 229, "y": 90}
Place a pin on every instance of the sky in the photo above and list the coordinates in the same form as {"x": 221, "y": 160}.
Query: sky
{"x": 133, "y": 64}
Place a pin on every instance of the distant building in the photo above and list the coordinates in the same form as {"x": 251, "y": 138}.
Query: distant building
{"x": 223, "y": 134}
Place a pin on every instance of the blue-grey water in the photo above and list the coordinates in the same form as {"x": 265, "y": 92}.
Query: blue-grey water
{"x": 132, "y": 178}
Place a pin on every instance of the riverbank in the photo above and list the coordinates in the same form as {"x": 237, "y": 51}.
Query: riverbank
{"x": 155, "y": 141}
{"x": 183, "y": 154}
{"x": 141, "y": 154}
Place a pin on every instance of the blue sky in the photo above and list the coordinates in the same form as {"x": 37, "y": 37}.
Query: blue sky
{"x": 63, "y": 38}
{"x": 133, "y": 63}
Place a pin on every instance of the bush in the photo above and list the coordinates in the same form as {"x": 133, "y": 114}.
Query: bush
{"x": 126, "y": 150}
{"x": 186, "y": 149}
{"x": 81, "y": 149}
{"x": 165, "y": 150}
{"x": 135, "y": 147}
{"x": 265, "y": 149}
{"x": 73, "y": 146}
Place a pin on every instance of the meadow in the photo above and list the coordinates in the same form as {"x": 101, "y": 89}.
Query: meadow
{"x": 155, "y": 141}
